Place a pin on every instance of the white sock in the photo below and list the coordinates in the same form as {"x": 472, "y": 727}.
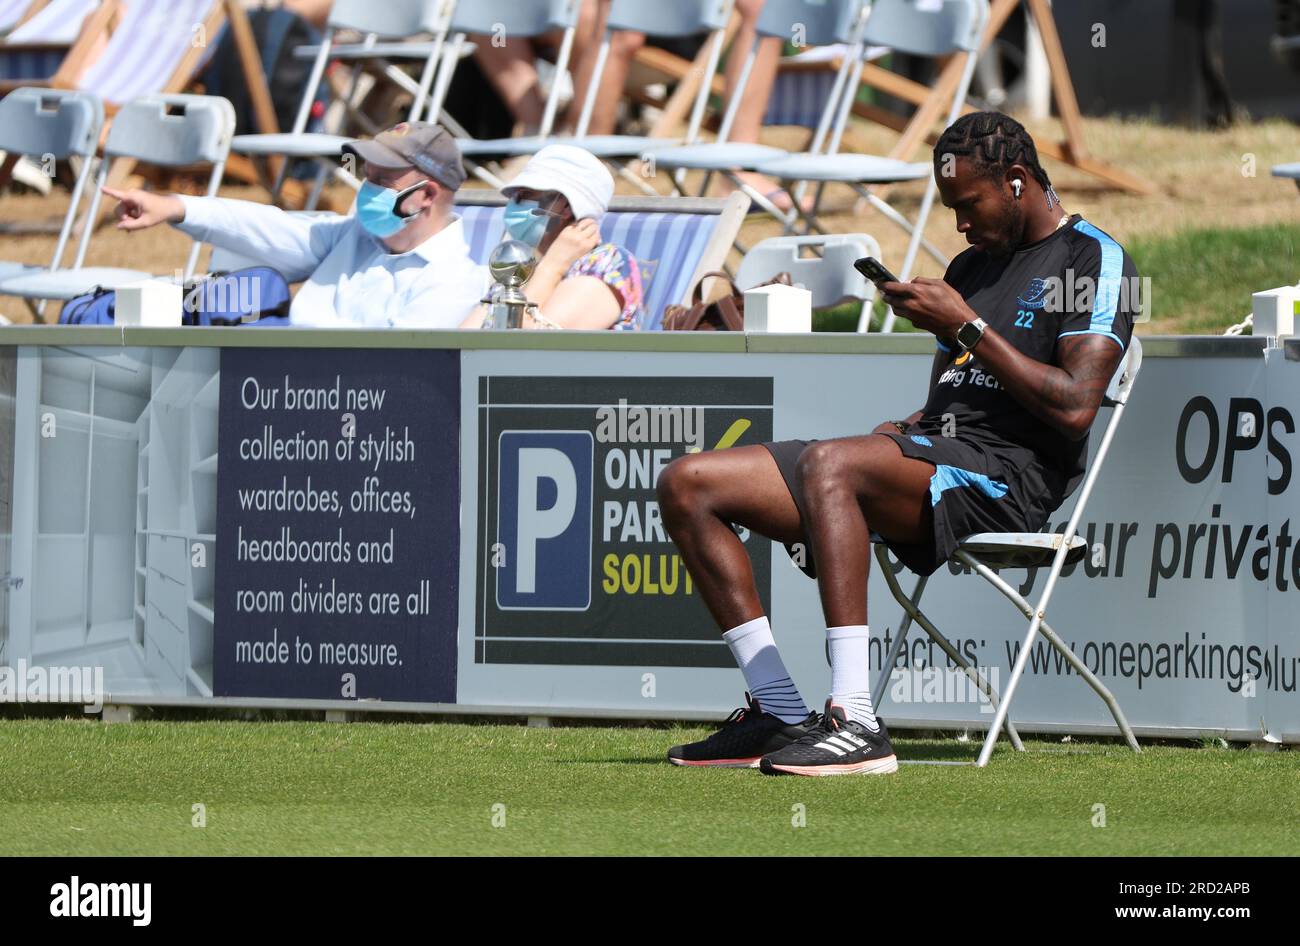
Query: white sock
{"x": 851, "y": 673}
{"x": 769, "y": 683}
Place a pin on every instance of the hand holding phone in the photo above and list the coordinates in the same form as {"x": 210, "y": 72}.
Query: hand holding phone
{"x": 874, "y": 270}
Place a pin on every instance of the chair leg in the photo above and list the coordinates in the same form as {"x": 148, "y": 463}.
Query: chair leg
{"x": 760, "y": 199}
{"x": 1001, "y": 718}
{"x": 635, "y": 179}
{"x": 900, "y": 637}
{"x": 1098, "y": 687}
{"x": 1054, "y": 639}
{"x": 323, "y": 173}
{"x": 895, "y": 217}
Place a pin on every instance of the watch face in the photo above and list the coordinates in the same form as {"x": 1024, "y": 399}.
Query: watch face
{"x": 969, "y": 334}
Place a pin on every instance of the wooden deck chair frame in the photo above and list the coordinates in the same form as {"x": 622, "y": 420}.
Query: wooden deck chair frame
{"x": 370, "y": 53}
{"x": 33, "y": 7}
{"x": 828, "y": 132}
{"x": 984, "y": 552}
{"x": 930, "y": 100}
{"x": 219, "y": 12}
{"x": 100, "y": 21}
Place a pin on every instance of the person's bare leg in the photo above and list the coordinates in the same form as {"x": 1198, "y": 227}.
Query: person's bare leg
{"x": 699, "y": 494}
{"x": 511, "y": 72}
{"x": 850, "y": 487}
{"x": 757, "y": 91}
{"x": 623, "y": 46}
{"x": 846, "y": 489}
{"x": 586, "y": 47}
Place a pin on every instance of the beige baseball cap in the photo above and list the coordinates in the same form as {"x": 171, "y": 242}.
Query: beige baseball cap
{"x": 427, "y": 147}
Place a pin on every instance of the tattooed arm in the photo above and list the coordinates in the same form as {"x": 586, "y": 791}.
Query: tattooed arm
{"x": 1066, "y": 397}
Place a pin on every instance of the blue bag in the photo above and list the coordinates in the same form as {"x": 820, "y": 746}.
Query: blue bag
{"x": 94, "y": 308}
{"x": 241, "y": 297}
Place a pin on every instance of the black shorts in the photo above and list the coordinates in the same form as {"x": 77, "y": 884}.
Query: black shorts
{"x": 972, "y": 490}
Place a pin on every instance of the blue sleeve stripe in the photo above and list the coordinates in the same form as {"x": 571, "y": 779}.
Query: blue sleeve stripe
{"x": 941, "y": 346}
{"x": 1093, "y": 331}
{"x": 1106, "y": 299}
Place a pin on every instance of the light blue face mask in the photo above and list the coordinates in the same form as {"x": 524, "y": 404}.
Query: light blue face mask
{"x": 377, "y": 208}
{"x": 523, "y": 224}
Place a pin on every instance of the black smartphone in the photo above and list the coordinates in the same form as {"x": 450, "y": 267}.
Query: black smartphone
{"x": 874, "y": 270}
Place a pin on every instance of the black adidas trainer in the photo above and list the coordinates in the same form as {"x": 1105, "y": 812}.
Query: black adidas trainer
{"x": 746, "y": 736}
{"x": 836, "y": 746}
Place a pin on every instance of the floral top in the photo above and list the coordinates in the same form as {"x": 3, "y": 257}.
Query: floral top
{"x": 618, "y": 269}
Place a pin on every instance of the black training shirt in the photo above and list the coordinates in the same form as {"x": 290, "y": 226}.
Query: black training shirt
{"x": 1076, "y": 281}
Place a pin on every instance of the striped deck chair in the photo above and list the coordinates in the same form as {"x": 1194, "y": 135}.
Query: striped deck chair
{"x": 675, "y": 240}
{"x": 15, "y": 12}
{"x": 156, "y": 48}
{"x": 58, "y": 40}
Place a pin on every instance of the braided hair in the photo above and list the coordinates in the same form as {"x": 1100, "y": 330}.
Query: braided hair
{"x": 992, "y": 142}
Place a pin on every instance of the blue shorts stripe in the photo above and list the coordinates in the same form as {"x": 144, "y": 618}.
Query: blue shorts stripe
{"x": 946, "y": 477}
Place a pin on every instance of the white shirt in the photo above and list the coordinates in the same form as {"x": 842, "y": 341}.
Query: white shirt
{"x": 352, "y": 279}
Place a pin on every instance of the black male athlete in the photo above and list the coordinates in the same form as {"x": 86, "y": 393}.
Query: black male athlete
{"x": 1023, "y": 359}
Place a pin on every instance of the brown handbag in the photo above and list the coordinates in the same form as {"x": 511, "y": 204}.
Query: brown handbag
{"x": 726, "y": 314}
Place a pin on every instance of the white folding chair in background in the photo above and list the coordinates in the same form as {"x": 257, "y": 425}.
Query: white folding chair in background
{"x": 164, "y": 130}
{"x": 932, "y": 28}
{"x": 383, "y": 26}
{"x": 822, "y": 24}
{"x": 821, "y": 263}
{"x": 665, "y": 20}
{"x": 509, "y": 20}
{"x": 987, "y": 551}
{"x": 51, "y": 124}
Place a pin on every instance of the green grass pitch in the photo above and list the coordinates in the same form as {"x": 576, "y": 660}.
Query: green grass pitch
{"x": 81, "y": 787}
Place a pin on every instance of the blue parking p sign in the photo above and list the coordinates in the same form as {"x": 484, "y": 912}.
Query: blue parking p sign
{"x": 544, "y": 522}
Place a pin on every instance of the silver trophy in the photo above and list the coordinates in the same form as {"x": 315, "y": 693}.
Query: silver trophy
{"x": 511, "y": 265}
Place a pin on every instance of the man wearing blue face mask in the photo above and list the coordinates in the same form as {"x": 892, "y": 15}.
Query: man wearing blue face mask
{"x": 400, "y": 260}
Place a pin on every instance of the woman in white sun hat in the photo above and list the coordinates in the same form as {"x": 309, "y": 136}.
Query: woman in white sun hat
{"x": 555, "y": 205}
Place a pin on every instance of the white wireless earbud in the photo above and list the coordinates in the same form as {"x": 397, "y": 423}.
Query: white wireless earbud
{"x": 1017, "y": 187}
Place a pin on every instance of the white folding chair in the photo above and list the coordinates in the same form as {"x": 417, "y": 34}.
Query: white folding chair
{"x": 676, "y": 19}
{"x": 987, "y": 551}
{"x": 931, "y": 28}
{"x": 165, "y": 130}
{"x": 830, "y": 276}
{"x": 823, "y": 24}
{"x": 57, "y": 124}
{"x": 510, "y": 19}
{"x": 377, "y": 22}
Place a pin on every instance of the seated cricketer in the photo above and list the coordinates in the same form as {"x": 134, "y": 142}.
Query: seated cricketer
{"x": 1017, "y": 378}
{"x": 400, "y": 260}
